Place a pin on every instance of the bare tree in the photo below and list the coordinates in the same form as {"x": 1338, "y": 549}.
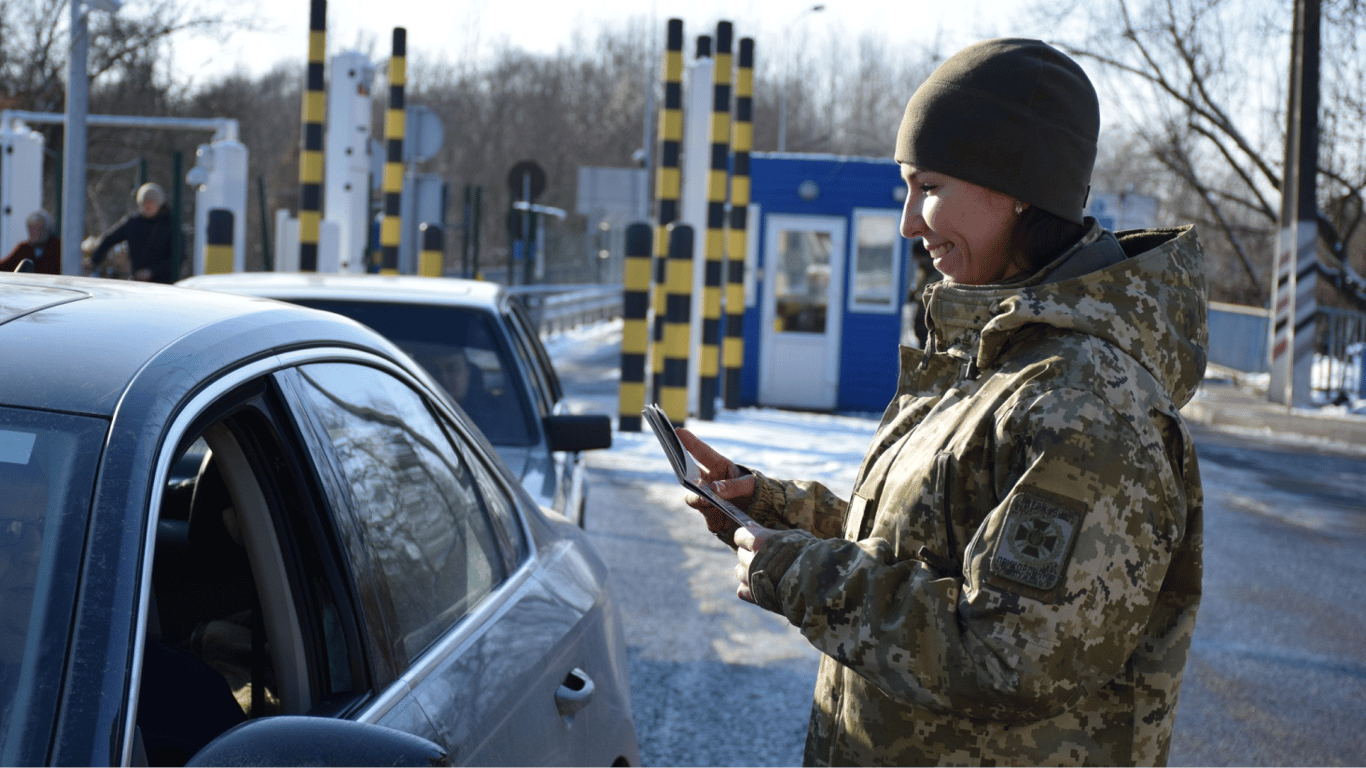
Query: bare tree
{"x": 1204, "y": 111}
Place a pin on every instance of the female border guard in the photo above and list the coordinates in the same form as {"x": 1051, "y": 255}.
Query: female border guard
{"x": 1015, "y": 579}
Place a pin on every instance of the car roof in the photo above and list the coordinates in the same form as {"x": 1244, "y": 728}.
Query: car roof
{"x": 75, "y": 344}
{"x": 400, "y": 288}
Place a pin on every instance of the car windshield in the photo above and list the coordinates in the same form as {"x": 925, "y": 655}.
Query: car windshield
{"x": 47, "y": 470}
{"x": 462, "y": 349}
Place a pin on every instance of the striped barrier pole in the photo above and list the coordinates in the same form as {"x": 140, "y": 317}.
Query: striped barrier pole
{"x": 673, "y": 394}
{"x": 391, "y": 224}
{"x": 708, "y": 361}
{"x": 218, "y": 242}
{"x": 311, "y": 159}
{"x": 433, "y": 255}
{"x": 737, "y": 243}
{"x": 1294, "y": 293}
{"x": 668, "y": 187}
{"x": 635, "y": 327}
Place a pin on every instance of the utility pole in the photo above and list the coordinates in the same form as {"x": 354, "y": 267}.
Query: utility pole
{"x": 1293, "y": 300}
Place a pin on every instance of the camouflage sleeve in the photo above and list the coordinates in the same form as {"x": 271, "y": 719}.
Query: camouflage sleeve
{"x": 801, "y": 504}
{"x": 1056, "y": 587}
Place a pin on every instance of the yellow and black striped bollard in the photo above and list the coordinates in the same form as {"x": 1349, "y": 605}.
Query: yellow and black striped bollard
{"x": 709, "y": 355}
{"x": 742, "y": 141}
{"x": 668, "y": 187}
{"x": 218, "y": 242}
{"x": 673, "y": 394}
{"x": 635, "y": 328}
{"x": 391, "y": 225}
{"x": 311, "y": 159}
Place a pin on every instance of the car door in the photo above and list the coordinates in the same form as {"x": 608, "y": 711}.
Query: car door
{"x": 484, "y": 644}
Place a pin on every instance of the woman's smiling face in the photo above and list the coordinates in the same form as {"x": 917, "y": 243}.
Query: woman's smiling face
{"x": 966, "y": 228}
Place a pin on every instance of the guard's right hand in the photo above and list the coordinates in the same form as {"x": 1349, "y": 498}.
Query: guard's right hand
{"x": 724, "y": 477}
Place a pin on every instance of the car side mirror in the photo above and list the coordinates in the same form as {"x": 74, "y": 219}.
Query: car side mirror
{"x": 298, "y": 740}
{"x": 578, "y": 432}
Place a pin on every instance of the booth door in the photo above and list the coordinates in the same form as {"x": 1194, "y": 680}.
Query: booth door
{"x": 803, "y": 283}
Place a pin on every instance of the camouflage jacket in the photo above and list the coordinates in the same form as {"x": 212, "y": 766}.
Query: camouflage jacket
{"x": 1016, "y": 577}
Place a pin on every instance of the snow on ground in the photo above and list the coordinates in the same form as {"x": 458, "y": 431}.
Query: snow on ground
{"x": 788, "y": 444}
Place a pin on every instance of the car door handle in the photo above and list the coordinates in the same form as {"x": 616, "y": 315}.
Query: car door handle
{"x": 574, "y": 692}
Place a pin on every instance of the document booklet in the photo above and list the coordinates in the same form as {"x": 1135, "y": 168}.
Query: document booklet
{"x": 689, "y": 476}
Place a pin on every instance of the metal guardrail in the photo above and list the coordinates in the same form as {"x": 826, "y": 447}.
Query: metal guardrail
{"x": 1238, "y": 338}
{"x": 556, "y": 308}
{"x": 1340, "y": 341}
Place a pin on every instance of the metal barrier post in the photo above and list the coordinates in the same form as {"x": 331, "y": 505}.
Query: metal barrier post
{"x": 709, "y": 361}
{"x": 391, "y": 225}
{"x": 742, "y": 133}
{"x": 218, "y": 255}
{"x": 673, "y": 394}
{"x": 635, "y": 328}
{"x": 668, "y": 186}
{"x": 311, "y": 159}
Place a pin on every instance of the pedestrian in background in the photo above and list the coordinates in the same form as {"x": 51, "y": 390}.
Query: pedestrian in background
{"x": 42, "y": 246}
{"x": 150, "y": 233}
{"x": 1016, "y": 577}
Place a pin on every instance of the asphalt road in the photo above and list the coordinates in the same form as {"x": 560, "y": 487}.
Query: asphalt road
{"x": 1277, "y": 674}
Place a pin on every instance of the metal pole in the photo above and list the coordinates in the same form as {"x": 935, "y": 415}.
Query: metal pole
{"x": 74, "y": 143}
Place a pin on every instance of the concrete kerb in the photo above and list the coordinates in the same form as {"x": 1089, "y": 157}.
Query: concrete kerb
{"x": 1230, "y": 402}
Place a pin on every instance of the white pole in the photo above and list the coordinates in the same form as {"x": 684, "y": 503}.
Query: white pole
{"x": 74, "y": 141}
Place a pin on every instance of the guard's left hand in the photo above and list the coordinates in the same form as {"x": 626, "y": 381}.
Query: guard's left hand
{"x": 748, "y": 543}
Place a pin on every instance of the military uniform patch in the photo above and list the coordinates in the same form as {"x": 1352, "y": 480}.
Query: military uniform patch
{"x": 1035, "y": 542}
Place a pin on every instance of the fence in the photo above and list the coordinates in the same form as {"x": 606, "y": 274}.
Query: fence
{"x": 555, "y": 308}
{"x": 1238, "y": 338}
{"x": 1340, "y": 341}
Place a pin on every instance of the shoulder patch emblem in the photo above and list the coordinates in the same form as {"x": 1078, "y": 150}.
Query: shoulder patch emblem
{"x": 1035, "y": 542}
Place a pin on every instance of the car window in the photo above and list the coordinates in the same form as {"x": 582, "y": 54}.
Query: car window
{"x": 47, "y": 468}
{"x": 414, "y": 495}
{"x": 463, "y": 349}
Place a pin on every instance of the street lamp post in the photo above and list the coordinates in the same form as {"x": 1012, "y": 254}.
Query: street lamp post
{"x": 74, "y": 139}
{"x": 782, "y": 92}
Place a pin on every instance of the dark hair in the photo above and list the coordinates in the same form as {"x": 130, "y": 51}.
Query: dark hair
{"x": 1039, "y": 237}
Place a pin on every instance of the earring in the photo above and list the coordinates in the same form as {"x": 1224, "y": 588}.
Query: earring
{"x": 1019, "y": 207}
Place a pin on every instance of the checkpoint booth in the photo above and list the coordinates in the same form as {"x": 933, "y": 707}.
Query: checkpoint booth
{"x": 826, "y": 282}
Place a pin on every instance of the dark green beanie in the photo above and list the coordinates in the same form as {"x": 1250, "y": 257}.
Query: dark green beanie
{"x": 1016, "y": 116}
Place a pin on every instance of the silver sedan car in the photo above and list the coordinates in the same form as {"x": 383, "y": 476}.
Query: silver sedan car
{"x": 237, "y": 531}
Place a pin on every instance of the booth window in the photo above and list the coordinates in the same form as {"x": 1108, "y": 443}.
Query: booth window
{"x": 877, "y": 268}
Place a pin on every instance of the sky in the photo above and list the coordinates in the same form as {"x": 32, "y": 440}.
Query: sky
{"x": 458, "y": 29}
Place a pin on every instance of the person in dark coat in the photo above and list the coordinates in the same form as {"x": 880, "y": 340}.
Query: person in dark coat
{"x": 42, "y": 246}
{"x": 150, "y": 234}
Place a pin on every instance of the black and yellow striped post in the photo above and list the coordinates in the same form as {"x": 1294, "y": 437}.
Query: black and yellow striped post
{"x": 673, "y": 394}
{"x": 218, "y": 242}
{"x": 391, "y": 224}
{"x": 635, "y": 328}
{"x": 431, "y": 260}
{"x": 668, "y": 186}
{"x": 709, "y": 356}
{"x": 311, "y": 159}
{"x": 742, "y": 141}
